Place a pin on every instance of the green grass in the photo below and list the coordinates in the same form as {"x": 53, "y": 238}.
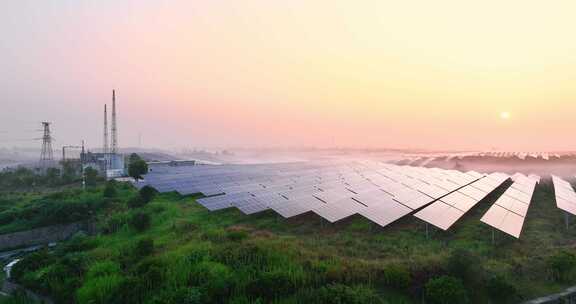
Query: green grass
{"x": 204, "y": 255}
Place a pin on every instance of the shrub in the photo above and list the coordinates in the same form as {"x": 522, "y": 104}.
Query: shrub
{"x": 147, "y": 193}
{"x": 342, "y": 294}
{"x": 115, "y": 222}
{"x": 446, "y": 290}
{"x": 110, "y": 189}
{"x": 271, "y": 285}
{"x": 144, "y": 247}
{"x": 7, "y": 217}
{"x": 30, "y": 263}
{"x": 396, "y": 276}
{"x": 183, "y": 295}
{"x": 140, "y": 221}
{"x": 91, "y": 176}
{"x": 500, "y": 290}
{"x": 18, "y": 297}
{"x": 214, "y": 235}
{"x": 561, "y": 265}
{"x": 151, "y": 271}
{"x": 464, "y": 265}
{"x": 136, "y": 201}
{"x": 79, "y": 242}
{"x": 183, "y": 226}
{"x": 101, "y": 290}
{"x": 214, "y": 278}
{"x": 237, "y": 235}
{"x": 102, "y": 269}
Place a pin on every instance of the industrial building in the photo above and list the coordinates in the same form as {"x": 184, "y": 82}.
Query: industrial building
{"x": 109, "y": 163}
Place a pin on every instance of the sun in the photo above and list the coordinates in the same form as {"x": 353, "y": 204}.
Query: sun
{"x": 505, "y": 115}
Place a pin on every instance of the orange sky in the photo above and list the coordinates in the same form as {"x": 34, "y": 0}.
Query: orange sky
{"x": 427, "y": 74}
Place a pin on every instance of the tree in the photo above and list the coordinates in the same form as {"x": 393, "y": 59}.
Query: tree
{"x": 69, "y": 171}
{"x": 446, "y": 290}
{"x": 144, "y": 247}
{"x": 136, "y": 201}
{"x": 147, "y": 193}
{"x": 110, "y": 189}
{"x": 500, "y": 290}
{"x": 465, "y": 265}
{"x": 52, "y": 176}
{"x": 134, "y": 157}
{"x": 91, "y": 176}
{"x": 140, "y": 221}
{"x": 137, "y": 166}
{"x": 562, "y": 264}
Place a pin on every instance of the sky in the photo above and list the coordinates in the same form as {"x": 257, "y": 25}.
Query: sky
{"x": 258, "y": 73}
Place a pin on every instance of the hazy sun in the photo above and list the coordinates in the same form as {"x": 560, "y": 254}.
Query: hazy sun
{"x": 505, "y": 115}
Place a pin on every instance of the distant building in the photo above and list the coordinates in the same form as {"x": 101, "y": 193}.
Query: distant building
{"x": 108, "y": 165}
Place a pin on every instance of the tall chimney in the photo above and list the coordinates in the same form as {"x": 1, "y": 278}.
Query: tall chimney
{"x": 114, "y": 130}
{"x": 105, "y": 147}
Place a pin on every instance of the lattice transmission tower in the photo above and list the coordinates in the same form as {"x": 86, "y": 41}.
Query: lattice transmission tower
{"x": 47, "y": 154}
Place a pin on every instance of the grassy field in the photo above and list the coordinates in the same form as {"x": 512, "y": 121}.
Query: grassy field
{"x": 187, "y": 254}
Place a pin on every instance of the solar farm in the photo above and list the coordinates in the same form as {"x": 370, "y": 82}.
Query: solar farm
{"x": 381, "y": 192}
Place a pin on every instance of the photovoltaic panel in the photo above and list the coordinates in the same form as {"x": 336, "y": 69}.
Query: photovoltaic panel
{"x": 565, "y": 195}
{"x": 338, "y": 210}
{"x": 508, "y": 213}
{"x": 449, "y": 209}
{"x": 440, "y": 215}
{"x": 385, "y": 214}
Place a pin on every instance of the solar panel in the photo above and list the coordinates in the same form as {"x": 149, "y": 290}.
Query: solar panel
{"x": 339, "y": 210}
{"x": 385, "y": 214}
{"x": 565, "y": 195}
{"x": 440, "y": 215}
{"x": 449, "y": 209}
{"x": 508, "y": 213}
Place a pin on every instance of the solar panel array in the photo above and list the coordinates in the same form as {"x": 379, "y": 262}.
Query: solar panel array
{"x": 446, "y": 211}
{"x": 380, "y": 192}
{"x": 565, "y": 195}
{"x": 509, "y": 211}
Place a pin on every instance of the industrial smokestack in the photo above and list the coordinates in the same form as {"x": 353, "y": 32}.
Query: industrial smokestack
{"x": 105, "y": 147}
{"x": 114, "y": 129}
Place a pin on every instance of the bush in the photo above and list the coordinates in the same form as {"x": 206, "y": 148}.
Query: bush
{"x": 396, "y": 276}
{"x": 140, "y": 221}
{"x": 7, "y": 217}
{"x": 464, "y": 265}
{"x": 183, "y": 226}
{"x": 562, "y": 265}
{"x": 446, "y": 290}
{"x": 110, "y": 189}
{"x": 271, "y": 285}
{"x": 236, "y": 235}
{"x": 115, "y": 222}
{"x": 214, "y": 278}
{"x": 215, "y": 235}
{"x": 31, "y": 263}
{"x": 102, "y": 269}
{"x": 342, "y": 294}
{"x": 500, "y": 290}
{"x": 18, "y": 297}
{"x": 147, "y": 193}
{"x": 101, "y": 290}
{"x": 136, "y": 202}
{"x": 79, "y": 242}
{"x": 144, "y": 247}
{"x": 183, "y": 295}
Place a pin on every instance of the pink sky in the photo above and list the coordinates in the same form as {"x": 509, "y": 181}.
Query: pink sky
{"x": 433, "y": 74}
